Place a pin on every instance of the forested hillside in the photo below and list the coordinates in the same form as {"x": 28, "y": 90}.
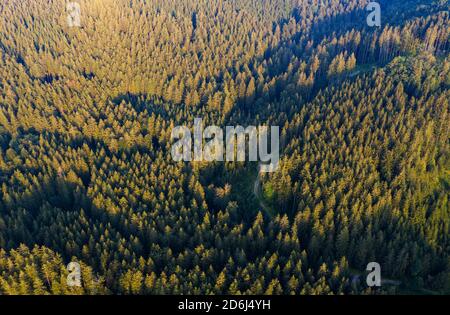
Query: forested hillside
{"x": 86, "y": 174}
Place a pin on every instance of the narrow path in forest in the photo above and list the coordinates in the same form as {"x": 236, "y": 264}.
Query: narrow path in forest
{"x": 259, "y": 197}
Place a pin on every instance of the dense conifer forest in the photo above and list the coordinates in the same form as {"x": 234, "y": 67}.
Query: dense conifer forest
{"x": 86, "y": 175}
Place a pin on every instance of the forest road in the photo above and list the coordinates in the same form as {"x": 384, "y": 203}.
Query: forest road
{"x": 257, "y": 193}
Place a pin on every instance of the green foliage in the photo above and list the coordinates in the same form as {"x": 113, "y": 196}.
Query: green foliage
{"x": 86, "y": 173}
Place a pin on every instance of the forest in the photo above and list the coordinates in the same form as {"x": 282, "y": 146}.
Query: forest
{"x": 86, "y": 172}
